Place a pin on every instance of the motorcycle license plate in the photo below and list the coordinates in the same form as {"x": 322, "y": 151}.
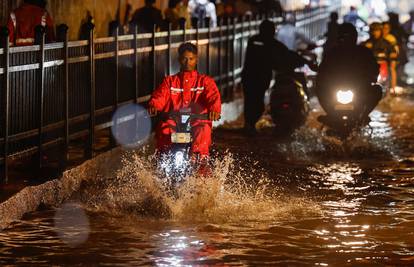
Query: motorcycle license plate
{"x": 344, "y": 107}
{"x": 180, "y": 138}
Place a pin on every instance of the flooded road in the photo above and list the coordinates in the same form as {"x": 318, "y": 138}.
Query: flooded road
{"x": 310, "y": 200}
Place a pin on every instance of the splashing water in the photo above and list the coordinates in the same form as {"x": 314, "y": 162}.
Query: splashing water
{"x": 375, "y": 139}
{"x": 228, "y": 195}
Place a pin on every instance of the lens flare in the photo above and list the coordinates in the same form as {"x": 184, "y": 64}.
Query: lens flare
{"x": 131, "y": 125}
{"x": 72, "y": 224}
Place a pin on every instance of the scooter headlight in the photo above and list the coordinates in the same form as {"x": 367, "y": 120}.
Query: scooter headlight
{"x": 179, "y": 159}
{"x": 345, "y": 96}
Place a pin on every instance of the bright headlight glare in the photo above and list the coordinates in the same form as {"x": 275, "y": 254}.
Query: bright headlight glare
{"x": 344, "y": 96}
{"x": 179, "y": 159}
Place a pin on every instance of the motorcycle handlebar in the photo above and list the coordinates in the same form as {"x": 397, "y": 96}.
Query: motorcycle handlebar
{"x": 173, "y": 114}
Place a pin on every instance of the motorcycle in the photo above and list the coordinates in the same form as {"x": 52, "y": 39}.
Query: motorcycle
{"x": 346, "y": 114}
{"x": 289, "y": 98}
{"x": 289, "y": 104}
{"x": 177, "y": 163}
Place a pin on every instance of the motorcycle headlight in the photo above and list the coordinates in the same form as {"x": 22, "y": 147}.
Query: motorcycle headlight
{"x": 344, "y": 96}
{"x": 179, "y": 159}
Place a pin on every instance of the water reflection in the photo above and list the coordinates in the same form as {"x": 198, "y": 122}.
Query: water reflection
{"x": 179, "y": 248}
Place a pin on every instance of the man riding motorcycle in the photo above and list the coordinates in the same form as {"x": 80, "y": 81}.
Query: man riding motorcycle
{"x": 264, "y": 54}
{"x": 188, "y": 90}
{"x": 384, "y": 52}
{"x": 350, "y": 68}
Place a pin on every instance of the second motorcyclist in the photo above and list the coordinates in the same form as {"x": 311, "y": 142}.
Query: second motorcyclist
{"x": 349, "y": 65}
{"x": 264, "y": 54}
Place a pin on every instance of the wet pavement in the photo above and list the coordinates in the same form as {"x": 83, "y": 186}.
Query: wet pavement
{"x": 307, "y": 200}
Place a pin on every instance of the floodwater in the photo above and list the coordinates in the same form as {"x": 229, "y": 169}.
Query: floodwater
{"x": 310, "y": 200}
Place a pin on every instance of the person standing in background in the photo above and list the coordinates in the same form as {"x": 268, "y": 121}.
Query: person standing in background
{"x": 402, "y": 37}
{"x": 409, "y": 24}
{"x": 177, "y": 9}
{"x": 146, "y": 17}
{"x": 292, "y": 36}
{"x": 24, "y": 20}
{"x": 200, "y": 10}
{"x": 353, "y": 17}
{"x": 332, "y": 33}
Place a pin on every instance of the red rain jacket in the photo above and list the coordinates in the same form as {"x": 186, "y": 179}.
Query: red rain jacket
{"x": 22, "y": 23}
{"x": 187, "y": 90}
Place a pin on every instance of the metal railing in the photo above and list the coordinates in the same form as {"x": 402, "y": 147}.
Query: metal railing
{"x": 54, "y": 93}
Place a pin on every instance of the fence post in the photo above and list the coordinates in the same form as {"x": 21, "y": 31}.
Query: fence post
{"x": 250, "y": 27}
{"x": 234, "y": 55}
{"x": 183, "y": 25}
{"x": 40, "y": 31}
{"x": 197, "y": 31}
{"x": 6, "y": 100}
{"x": 228, "y": 58}
{"x": 92, "y": 88}
{"x": 219, "y": 56}
{"x": 136, "y": 64}
{"x": 208, "y": 46}
{"x": 63, "y": 32}
{"x": 169, "y": 49}
{"x": 153, "y": 67}
{"x": 242, "y": 41}
{"x": 116, "y": 89}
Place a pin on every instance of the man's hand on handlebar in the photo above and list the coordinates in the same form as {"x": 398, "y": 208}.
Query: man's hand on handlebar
{"x": 214, "y": 116}
{"x": 152, "y": 111}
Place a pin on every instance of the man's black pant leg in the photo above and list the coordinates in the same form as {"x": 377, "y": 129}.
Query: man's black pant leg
{"x": 253, "y": 103}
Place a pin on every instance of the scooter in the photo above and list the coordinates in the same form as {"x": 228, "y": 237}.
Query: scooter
{"x": 346, "y": 113}
{"x": 289, "y": 104}
{"x": 289, "y": 99}
{"x": 176, "y": 164}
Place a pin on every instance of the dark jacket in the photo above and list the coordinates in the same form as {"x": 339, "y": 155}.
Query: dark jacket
{"x": 346, "y": 66}
{"x": 263, "y": 55}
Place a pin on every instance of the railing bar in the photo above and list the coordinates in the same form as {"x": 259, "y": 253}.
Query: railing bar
{"x": 20, "y": 49}
{"x": 78, "y": 59}
{"x": 78, "y": 43}
{"x": 104, "y": 40}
